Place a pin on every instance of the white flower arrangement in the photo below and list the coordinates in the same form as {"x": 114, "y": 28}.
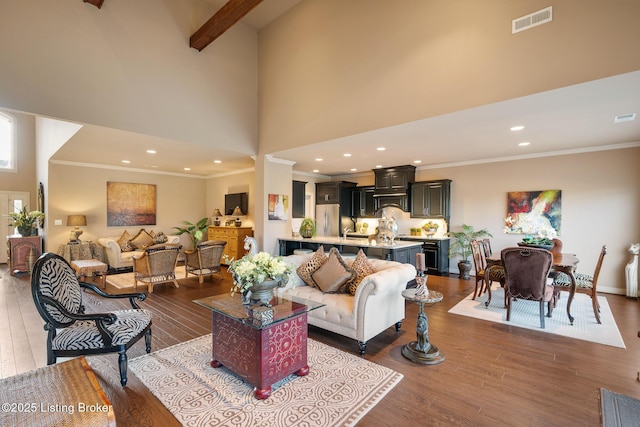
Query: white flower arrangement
{"x": 253, "y": 269}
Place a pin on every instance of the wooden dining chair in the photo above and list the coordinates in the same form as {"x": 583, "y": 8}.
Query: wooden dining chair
{"x": 586, "y": 284}
{"x": 526, "y": 272}
{"x": 493, "y": 273}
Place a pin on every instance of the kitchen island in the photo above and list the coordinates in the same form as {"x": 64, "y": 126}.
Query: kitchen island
{"x": 401, "y": 251}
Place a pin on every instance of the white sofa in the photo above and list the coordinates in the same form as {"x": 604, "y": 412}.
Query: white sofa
{"x": 377, "y": 305}
{"x": 118, "y": 259}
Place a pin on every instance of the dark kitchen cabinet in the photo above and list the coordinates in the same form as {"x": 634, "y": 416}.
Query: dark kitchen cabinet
{"x": 397, "y": 200}
{"x": 362, "y": 202}
{"x": 298, "y": 199}
{"x": 431, "y": 199}
{"x": 436, "y": 255}
{"x": 394, "y": 179}
{"x": 328, "y": 193}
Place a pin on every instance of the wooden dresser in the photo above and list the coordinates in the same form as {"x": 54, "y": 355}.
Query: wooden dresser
{"x": 234, "y": 236}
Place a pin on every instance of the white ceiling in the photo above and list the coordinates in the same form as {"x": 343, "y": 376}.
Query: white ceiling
{"x": 571, "y": 119}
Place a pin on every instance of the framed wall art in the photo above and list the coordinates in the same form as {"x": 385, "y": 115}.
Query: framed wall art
{"x": 278, "y": 206}
{"x": 131, "y": 204}
{"x": 534, "y": 212}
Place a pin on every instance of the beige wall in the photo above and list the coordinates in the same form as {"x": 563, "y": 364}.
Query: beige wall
{"x": 377, "y": 63}
{"x": 83, "y": 190}
{"x": 24, "y": 178}
{"x": 217, "y": 187}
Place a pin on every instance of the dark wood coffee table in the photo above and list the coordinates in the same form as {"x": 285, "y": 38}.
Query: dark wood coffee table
{"x": 260, "y": 352}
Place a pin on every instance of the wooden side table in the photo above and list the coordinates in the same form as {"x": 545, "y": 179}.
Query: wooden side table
{"x": 82, "y": 250}
{"x": 422, "y": 351}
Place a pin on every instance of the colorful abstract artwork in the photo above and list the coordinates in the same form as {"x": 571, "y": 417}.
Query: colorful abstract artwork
{"x": 535, "y": 213}
{"x": 131, "y": 204}
{"x": 278, "y": 206}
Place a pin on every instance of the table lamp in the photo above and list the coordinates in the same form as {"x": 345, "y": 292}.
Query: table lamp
{"x": 217, "y": 214}
{"x": 237, "y": 213}
{"x": 76, "y": 221}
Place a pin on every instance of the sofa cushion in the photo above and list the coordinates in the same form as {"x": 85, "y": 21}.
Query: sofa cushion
{"x": 123, "y": 242}
{"x": 362, "y": 267}
{"x": 142, "y": 240}
{"x": 306, "y": 270}
{"x": 333, "y": 275}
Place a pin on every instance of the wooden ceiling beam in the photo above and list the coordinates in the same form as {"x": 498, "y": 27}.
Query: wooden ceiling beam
{"x": 96, "y": 3}
{"x": 220, "y": 22}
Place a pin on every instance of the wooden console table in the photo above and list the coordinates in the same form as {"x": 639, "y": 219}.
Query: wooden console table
{"x": 19, "y": 248}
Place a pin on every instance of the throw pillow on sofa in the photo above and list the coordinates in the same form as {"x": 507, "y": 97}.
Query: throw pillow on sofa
{"x": 362, "y": 267}
{"x": 333, "y": 275}
{"x": 306, "y": 270}
{"x": 142, "y": 240}
{"x": 123, "y": 242}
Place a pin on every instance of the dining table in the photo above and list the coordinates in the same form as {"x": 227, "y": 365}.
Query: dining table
{"x": 562, "y": 262}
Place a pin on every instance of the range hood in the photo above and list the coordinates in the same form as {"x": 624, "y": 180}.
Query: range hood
{"x": 392, "y": 186}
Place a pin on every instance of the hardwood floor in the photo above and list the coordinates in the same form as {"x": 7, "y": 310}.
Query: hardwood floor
{"x": 493, "y": 374}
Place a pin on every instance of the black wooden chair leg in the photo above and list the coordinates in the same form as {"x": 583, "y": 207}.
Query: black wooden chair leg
{"x": 147, "y": 340}
{"x": 122, "y": 363}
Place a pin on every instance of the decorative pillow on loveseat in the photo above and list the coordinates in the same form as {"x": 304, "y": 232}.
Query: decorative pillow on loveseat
{"x": 142, "y": 240}
{"x": 362, "y": 267}
{"x": 306, "y": 270}
{"x": 333, "y": 275}
{"x": 123, "y": 242}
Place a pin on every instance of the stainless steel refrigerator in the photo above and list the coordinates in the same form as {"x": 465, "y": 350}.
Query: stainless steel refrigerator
{"x": 328, "y": 220}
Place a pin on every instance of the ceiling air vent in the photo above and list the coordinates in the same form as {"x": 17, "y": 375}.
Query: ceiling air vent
{"x": 531, "y": 20}
{"x": 624, "y": 118}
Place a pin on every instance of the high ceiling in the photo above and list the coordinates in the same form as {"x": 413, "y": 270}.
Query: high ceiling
{"x": 571, "y": 119}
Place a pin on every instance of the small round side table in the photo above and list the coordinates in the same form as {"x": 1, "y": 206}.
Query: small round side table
{"x": 422, "y": 351}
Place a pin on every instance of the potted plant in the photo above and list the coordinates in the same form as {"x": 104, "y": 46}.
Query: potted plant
{"x": 255, "y": 277}
{"x": 308, "y": 228}
{"x": 195, "y": 231}
{"x": 26, "y": 221}
{"x": 461, "y": 247}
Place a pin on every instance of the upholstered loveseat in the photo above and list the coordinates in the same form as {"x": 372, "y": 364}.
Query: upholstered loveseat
{"x": 134, "y": 246}
{"x": 377, "y": 304}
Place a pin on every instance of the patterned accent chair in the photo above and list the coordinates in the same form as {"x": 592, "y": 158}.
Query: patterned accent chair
{"x": 586, "y": 284}
{"x": 205, "y": 259}
{"x": 157, "y": 264}
{"x": 526, "y": 272}
{"x": 57, "y": 294}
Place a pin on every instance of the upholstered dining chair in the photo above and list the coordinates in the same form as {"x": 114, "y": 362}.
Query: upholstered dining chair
{"x": 157, "y": 264}
{"x": 526, "y": 274}
{"x": 57, "y": 294}
{"x": 586, "y": 284}
{"x": 205, "y": 260}
{"x": 493, "y": 273}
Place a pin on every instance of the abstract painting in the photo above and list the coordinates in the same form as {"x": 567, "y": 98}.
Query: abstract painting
{"x": 131, "y": 204}
{"x": 278, "y": 206}
{"x": 534, "y": 212}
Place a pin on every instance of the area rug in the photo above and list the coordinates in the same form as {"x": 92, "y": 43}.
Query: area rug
{"x": 338, "y": 391}
{"x": 525, "y": 314}
{"x": 125, "y": 280}
{"x": 619, "y": 410}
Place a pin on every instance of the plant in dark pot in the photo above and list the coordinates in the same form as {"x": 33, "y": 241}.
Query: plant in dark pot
{"x": 195, "y": 231}
{"x": 26, "y": 221}
{"x": 461, "y": 247}
{"x": 307, "y": 228}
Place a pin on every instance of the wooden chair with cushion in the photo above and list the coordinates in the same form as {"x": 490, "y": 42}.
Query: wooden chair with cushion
{"x": 526, "y": 273}
{"x": 493, "y": 273}
{"x": 157, "y": 264}
{"x": 57, "y": 294}
{"x": 205, "y": 260}
{"x": 586, "y": 284}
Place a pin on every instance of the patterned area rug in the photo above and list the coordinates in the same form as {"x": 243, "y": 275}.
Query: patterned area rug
{"x": 619, "y": 410}
{"x": 125, "y": 280}
{"x": 339, "y": 389}
{"x": 525, "y": 314}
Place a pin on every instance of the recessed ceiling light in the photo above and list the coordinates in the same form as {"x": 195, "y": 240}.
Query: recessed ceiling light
{"x": 417, "y": 161}
{"x": 187, "y": 169}
{"x": 517, "y": 128}
{"x": 378, "y": 166}
{"x": 151, "y": 151}
{"x": 353, "y": 169}
{"x": 381, "y": 148}
{"x": 217, "y": 161}
{"x": 347, "y": 154}
{"x": 126, "y": 161}
{"x": 319, "y": 159}
{"x": 315, "y": 171}
{"x": 524, "y": 144}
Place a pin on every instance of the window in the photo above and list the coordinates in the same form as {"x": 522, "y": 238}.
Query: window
{"x": 7, "y": 152}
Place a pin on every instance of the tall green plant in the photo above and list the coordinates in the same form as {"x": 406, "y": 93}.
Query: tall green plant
{"x": 461, "y": 241}
{"x": 195, "y": 231}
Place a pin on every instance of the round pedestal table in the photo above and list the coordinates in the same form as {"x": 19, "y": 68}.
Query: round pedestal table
{"x": 422, "y": 351}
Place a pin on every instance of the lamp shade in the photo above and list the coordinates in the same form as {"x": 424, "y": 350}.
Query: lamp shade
{"x": 217, "y": 213}
{"x": 76, "y": 220}
{"x": 237, "y": 212}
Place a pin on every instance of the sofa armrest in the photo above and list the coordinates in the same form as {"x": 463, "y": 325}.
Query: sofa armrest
{"x": 387, "y": 280}
{"x": 112, "y": 249}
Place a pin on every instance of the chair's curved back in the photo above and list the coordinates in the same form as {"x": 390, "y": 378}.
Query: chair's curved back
{"x": 207, "y": 255}
{"x": 53, "y": 278}
{"x": 162, "y": 259}
{"x": 526, "y": 271}
{"x": 486, "y": 244}
{"x": 596, "y": 273}
{"x": 479, "y": 260}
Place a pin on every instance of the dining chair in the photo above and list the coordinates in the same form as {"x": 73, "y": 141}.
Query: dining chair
{"x": 492, "y": 273}
{"x": 71, "y": 332}
{"x": 526, "y": 274}
{"x": 586, "y": 284}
